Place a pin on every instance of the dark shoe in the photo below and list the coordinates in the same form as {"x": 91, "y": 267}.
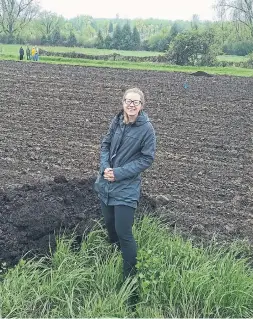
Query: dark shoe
{"x": 133, "y": 300}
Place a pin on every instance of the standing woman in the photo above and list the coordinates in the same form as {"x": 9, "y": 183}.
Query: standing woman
{"x": 127, "y": 149}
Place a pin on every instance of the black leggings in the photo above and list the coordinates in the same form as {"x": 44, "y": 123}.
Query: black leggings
{"x": 119, "y": 220}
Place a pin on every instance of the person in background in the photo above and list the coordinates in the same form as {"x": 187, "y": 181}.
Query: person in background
{"x": 36, "y": 54}
{"x": 127, "y": 149}
{"x": 21, "y": 53}
{"x": 33, "y": 53}
{"x": 28, "y": 53}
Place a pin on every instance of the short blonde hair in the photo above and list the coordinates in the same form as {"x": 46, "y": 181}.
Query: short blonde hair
{"x": 135, "y": 90}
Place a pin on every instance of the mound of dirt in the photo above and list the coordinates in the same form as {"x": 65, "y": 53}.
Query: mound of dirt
{"x": 32, "y": 215}
{"x": 201, "y": 73}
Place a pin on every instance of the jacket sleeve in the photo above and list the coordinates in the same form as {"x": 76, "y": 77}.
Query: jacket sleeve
{"x": 105, "y": 148}
{"x": 139, "y": 165}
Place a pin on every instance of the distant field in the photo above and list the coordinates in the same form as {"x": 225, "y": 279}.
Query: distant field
{"x": 13, "y": 49}
{"x": 10, "y": 52}
{"x": 232, "y": 58}
{"x": 233, "y": 71}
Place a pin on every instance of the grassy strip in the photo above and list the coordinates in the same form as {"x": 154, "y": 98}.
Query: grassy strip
{"x": 232, "y": 58}
{"x": 175, "y": 279}
{"x": 13, "y": 49}
{"x": 233, "y": 71}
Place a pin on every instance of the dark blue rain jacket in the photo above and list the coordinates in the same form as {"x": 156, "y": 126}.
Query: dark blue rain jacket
{"x": 129, "y": 149}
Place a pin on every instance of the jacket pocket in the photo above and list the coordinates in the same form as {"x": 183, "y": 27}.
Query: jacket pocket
{"x": 96, "y": 184}
{"x": 126, "y": 190}
{"x": 100, "y": 185}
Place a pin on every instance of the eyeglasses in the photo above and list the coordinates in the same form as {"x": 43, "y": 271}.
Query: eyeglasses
{"x": 135, "y": 102}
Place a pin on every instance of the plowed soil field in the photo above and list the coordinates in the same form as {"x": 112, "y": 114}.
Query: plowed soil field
{"x": 52, "y": 119}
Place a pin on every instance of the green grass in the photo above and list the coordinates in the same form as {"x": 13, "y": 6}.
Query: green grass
{"x": 175, "y": 279}
{"x": 232, "y": 58}
{"x": 8, "y": 53}
{"x": 13, "y": 49}
{"x": 232, "y": 71}
{"x": 94, "y": 51}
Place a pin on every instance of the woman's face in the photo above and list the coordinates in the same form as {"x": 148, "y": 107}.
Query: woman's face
{"x": 132, "y": 104}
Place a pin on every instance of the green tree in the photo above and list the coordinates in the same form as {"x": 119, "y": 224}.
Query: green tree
{"x": 116, "y": 38}
{"x": 99, "y": 41}
{"x": 240, "y": 10}
{"x": 126, "y": 42}
{"x": 241, "y": 48}
{"x": 72, "y": 41}
{"x": 79, "y": 22}
{"x": 47, "y": 23}
{"x": 139, "y": 24}
{"x": 136, "y": 39}
{"x": 45, "y": 40}
{"x": 15, "y": 15}
{"x": 108, "y": 42}
{"x": 195, "y": 22}
{"x": 193, "y": 48}
{"x": 56, "y": 37}
{"x": 159, "y": 42}
{"x": 110, "y": 29}
{"x": 221, "y": 16}
{"x": 176, "y": 28}
{"x": 84, "y": 28}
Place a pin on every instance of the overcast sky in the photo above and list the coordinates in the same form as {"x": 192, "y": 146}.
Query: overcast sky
{"x": 130, "y": 9}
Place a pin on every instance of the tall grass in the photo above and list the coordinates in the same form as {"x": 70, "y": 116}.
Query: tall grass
{"x": 85, "y": 283}
{"x": 174, "y": 279}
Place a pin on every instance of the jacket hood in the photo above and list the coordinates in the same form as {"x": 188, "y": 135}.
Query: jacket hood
{"x": 141, "y": 119}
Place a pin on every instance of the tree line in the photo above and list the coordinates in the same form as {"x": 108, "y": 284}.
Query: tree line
{"x": 23, "y": 21}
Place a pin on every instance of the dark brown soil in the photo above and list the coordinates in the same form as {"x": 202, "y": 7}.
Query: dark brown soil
{"x": 201, "y": 73}
{"x": 52, "y": 119}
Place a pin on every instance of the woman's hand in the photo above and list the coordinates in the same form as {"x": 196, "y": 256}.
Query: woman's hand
{"x": 109, "y": 175}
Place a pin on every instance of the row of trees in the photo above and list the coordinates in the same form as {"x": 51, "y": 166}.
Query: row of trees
{"x": 119, "y": 38}
{"x": 197, "y": 41}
